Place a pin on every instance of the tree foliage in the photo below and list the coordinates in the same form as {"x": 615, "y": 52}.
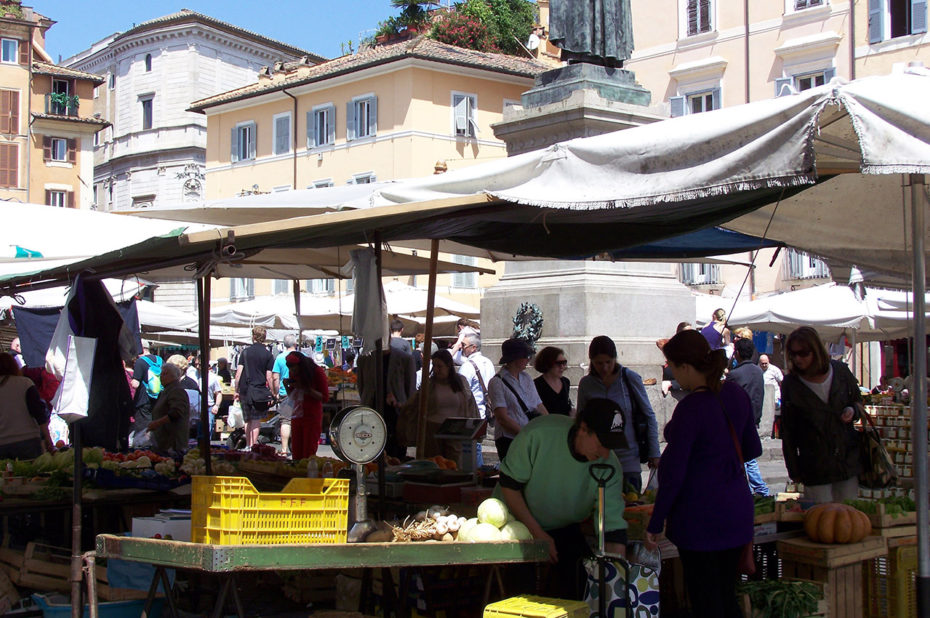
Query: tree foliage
{"x": 509, "y": 22}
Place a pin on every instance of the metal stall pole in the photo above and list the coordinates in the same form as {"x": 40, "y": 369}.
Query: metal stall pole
{"x": 379, "y": 383}
{"x": 427, "y": 344}
{"x": 203, "y": 305}
{"x": 77, "y": 556}
{"x": 919, "y": 396}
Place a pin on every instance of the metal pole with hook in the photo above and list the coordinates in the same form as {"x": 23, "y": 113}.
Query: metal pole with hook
{"x": 602, "y": 473}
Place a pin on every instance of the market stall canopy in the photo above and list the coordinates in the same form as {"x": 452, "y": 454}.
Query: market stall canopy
{"x": 258, "y": 208}
{"x": 833, "y": 310}
{"x": 119, "y": 289}
{"x": 639, "y": 185}
{"x": 36, "y": 237}
{"x": 333, "y": 312}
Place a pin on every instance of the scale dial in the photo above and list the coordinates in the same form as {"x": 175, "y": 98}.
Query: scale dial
{"x": 358, "y": 434}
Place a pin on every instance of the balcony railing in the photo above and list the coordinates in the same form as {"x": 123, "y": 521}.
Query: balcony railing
{"x": 60, "y": 104}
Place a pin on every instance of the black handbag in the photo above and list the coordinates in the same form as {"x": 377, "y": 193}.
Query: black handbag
{"x": 877, "y": 466}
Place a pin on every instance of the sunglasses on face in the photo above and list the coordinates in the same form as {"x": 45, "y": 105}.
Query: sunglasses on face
{"x": 562, "y": 363}
{"x": 799, "y": 353}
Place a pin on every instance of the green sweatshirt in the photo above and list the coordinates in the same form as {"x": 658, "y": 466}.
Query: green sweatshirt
{"x": 559, "y": 490}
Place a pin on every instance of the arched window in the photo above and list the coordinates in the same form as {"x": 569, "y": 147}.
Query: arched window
{"x": 148, "y": 62}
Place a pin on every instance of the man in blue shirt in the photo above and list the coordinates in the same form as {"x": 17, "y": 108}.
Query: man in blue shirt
{"x": 279, "y": 373}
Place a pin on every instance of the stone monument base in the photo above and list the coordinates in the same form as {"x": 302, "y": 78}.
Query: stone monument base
{"x": 634, "y": 303}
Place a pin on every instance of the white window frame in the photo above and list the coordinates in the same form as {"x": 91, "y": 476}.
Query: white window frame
{"x": 696, "y": 273}
{"x": 359, "y": 126}
{"x": 464, "y": 125}
{"x": 800, "y": 265}
{"x": 148, "y": 99}
{"x": 322, "y": 184}
{"x": 321, "y": 126}
{"x": 683, "y": 19}
{"x": 321, "y": 287}
{"x": 791, "y": 5}
{"x": 365, "y": 178}
{"x": 511, "y": 103}
{"x": 244, "y": 150}
{"x": 58, "y": 198}
{"x": 62, "y": 144}
{"x": 111, "y": 81}
{"x": 4, "y": 42}
{"x": 147, "y": 61}
{"x": 814, "y": 77}
{"x": 881, "y": 10}
{"x": 241, "y": 288}
{"x": 280, "y": 286}
{"x": 464, "y": 281}
{"x": 274, "y": 133}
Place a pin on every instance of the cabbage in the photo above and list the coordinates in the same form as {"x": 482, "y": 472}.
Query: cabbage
{"x": 516, "y": 531}
{"x": 484, "y": 532}
{"x": 465, "y": 529}
{"x": 492, "y": 511}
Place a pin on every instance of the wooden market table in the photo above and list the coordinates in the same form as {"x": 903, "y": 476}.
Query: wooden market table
{"x": 840, "y": 567}
{"x": 227, "y": 561}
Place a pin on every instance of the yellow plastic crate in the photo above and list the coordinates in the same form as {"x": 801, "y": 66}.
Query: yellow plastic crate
{"x": 538, "y": 607}
{"x": 228, "y": 510}
{"x": 891, "y": 583}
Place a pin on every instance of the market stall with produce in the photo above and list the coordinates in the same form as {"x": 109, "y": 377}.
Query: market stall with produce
{"x": 696, "y": 182}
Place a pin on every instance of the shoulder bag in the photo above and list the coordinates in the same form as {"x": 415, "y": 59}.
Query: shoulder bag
{"x": 530, "y": 414}
{"x": 746, "y": 564}
{"x": 640, "y": 420}
{"x": 877, "y": 466}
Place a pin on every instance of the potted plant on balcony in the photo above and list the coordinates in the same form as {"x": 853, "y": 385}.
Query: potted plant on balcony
{"x": 64, "y": 103}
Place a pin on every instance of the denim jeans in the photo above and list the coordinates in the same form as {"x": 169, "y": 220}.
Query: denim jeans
{"x": 756, "y": 484}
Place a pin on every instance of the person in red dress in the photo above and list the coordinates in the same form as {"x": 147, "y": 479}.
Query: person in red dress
{"x": 308, "y": 387}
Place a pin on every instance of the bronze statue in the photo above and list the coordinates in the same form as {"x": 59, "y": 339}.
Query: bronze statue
{"x": 592, "y": 31}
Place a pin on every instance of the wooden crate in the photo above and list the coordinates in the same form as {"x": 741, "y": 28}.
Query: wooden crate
{"x": 837, "y": 566}
{"x": 48, "y": 569}
{"x": 882, "y": 519}
{"x": 822, "y": 604}
{"x": 783, "y": 514}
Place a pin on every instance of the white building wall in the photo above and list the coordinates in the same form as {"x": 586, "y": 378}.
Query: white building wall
{"x": 189, "y": 62}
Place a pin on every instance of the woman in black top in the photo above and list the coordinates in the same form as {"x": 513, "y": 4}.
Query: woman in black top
{"x": 552, "y": 386}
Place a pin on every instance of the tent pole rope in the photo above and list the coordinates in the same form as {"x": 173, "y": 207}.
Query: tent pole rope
{"x": 755, "y": 254}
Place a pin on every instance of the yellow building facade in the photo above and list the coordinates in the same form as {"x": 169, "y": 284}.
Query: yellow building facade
{"x": 47, "y": 126}
{"x": 390, "y": 112}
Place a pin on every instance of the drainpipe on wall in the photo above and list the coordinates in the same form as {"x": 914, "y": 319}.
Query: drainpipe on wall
{"x": 28, "y": 148}
{"x": 746, "y": 51}
{"x": 852, "y": 40}
{"x": 752, "y": 254}
{"x": 294, "y": 184}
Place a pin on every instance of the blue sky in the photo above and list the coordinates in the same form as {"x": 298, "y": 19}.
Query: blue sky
{"x": 318, "y": 26}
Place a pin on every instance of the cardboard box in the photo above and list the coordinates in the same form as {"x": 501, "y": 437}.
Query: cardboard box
{"x": 172, "y": 528}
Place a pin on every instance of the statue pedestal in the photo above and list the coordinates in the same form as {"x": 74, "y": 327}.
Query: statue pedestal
{"x": 578, "y": 100}
{"x": 634, "y": 303}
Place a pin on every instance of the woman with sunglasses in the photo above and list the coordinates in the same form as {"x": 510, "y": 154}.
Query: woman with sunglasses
{"x": 820, "y": 400}
{"x": 552, "y": 386}
{"x": 308, "y": 388}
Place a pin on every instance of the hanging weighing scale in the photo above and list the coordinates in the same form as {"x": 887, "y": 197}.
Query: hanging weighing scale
{"x": 358, "y": 435}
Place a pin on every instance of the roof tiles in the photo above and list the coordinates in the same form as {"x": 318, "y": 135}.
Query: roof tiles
{"x": 419, "y": 47}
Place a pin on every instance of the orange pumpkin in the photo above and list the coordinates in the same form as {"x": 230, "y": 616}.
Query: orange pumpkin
{"x": 836, "y": 523}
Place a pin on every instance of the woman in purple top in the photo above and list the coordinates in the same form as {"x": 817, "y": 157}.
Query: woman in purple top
{"x": 703, "y": 499}
{"x": 716, "y": 333}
